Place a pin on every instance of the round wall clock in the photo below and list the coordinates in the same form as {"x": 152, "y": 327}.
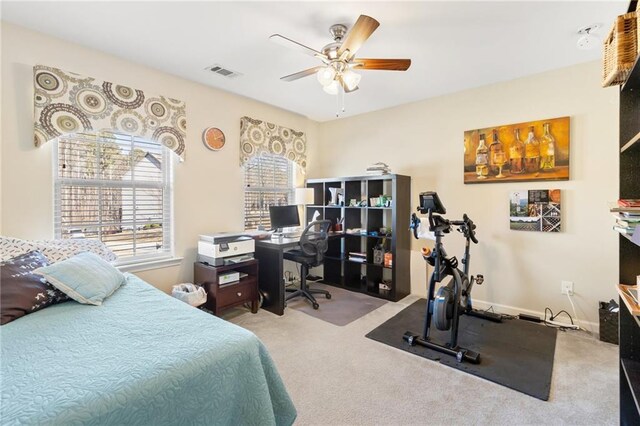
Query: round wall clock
{"x": 213, "y": 138}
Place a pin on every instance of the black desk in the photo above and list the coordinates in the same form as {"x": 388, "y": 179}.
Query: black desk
{"x": 271, "y": 275}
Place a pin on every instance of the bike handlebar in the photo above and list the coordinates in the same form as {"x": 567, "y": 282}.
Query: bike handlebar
{"x": 415, "y": 223}
{"x": 471, "y": 228}
{"x": 466, "y": 225}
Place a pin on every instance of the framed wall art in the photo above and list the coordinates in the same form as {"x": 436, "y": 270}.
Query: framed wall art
{"x": 530, "y": 151}
{"x": 535, "y": 210}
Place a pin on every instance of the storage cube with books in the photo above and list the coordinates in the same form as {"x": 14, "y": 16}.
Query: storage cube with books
{"x": 373, "y": 257}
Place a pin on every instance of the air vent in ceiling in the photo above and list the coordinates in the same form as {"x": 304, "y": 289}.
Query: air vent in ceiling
{"x": 224, "y": 72}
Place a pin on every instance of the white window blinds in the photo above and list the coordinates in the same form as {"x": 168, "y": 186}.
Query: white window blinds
{"x": 269, "y": 181}
{"x": 117, "y": 189}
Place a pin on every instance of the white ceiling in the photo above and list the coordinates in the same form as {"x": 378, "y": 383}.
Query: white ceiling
{"x": 453, "y": 45}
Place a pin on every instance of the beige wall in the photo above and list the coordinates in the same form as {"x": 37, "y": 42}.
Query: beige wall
{"x": 422, "y": 139}
{"x": 208, "y": 185}
{"x": 522, "y": 269}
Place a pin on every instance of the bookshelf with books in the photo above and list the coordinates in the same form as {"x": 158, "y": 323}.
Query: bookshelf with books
{"x": 371, "y": 257}
{"x": 629, "y": 245}
{"x": 627, "y": 216}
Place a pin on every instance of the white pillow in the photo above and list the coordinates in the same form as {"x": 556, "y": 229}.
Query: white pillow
{"x": 53, "y": 250}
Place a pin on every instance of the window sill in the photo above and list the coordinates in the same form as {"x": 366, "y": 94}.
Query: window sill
{"x": 146, "y": 265}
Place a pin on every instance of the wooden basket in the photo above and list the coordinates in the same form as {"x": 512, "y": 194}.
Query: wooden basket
{"x": 620, "y": 50}
{"x": 638, "y": 30}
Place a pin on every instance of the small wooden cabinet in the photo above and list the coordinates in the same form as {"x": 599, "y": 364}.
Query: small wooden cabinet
{"x": 228, "y": 296}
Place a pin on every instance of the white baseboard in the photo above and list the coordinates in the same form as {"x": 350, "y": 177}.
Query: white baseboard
{"x": 512, "y": 310}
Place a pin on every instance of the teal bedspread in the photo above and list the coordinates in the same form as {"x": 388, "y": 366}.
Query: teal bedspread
{"x": 140, "y": 358}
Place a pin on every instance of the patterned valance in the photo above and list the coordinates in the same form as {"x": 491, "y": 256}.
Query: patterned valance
{"x": 67, "y": 103}
{"x": 258, "y": 137}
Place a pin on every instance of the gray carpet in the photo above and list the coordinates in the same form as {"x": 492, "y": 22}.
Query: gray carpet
{"x": 343, "y": 308}
{"x": 336, "y": 376}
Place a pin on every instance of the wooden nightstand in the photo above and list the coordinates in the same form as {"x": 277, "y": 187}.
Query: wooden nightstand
{"x": 228, "y": 296}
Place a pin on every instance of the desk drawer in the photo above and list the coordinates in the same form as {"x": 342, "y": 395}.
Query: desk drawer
{"x": 245, "y": 291}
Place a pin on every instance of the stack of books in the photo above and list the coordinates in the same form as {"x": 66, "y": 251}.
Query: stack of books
{"x": 378, "y": 169}
{"x": 355, "y": 256}
{"x": 627, "y": 214}
{"x": 629, "y": 202}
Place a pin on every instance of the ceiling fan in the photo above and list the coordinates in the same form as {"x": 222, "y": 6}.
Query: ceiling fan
{"x": 339, "y": 57}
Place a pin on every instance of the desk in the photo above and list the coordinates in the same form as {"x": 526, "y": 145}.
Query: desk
{"x": 269, "y": 253}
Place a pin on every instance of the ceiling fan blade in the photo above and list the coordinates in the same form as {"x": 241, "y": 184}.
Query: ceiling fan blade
{"x": 357, "y": 35}
{"x": 382, "y": 64}
{"x": 301, "y": 74}
{"x": 292, "y": 44}
{"x": 344, "y": 86}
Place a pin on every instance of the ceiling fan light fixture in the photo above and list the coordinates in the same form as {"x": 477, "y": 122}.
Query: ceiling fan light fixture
{"x": 326, "y": 75}
{"x": 338, "y": 57}
{"x": 331, "y": 88}
{"x": 351, "y": 79}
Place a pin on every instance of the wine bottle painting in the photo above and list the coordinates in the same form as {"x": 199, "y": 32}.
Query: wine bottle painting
{"x": 531, "y": 151}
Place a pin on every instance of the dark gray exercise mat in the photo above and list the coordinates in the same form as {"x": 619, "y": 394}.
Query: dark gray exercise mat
{"x": 514, "y": 353}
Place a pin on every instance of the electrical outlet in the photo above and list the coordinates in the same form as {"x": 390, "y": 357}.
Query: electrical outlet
{"x": 566, "y": 287}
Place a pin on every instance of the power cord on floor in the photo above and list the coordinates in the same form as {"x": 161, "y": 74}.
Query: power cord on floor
{"x": 573, "y": 307}
{"x": 502, "y": 316}
{"x": 552, "y": 323}
{"x": 290, "y": 279}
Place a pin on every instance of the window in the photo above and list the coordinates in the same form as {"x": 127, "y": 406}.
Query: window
{"x": 269, "y": 181}
{"x": 116, "y": 189}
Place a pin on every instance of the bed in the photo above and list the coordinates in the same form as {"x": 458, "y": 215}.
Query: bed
{"x": 141, "y": 358}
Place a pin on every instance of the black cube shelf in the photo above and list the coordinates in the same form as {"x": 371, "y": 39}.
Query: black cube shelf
{"x": 629, "y": 324}
{"x": 366, "y": 276}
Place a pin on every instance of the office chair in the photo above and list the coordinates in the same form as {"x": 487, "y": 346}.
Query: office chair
{"x": 314, "y": 243}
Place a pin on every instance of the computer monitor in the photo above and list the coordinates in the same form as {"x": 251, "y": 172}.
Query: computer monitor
{"x": 284, "y": 216}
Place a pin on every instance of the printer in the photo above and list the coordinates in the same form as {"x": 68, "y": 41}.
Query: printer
{"x": 225, "y": 248}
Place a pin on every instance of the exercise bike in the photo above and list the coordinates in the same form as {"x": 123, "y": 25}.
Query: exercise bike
{"x": 453, "y": 299}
